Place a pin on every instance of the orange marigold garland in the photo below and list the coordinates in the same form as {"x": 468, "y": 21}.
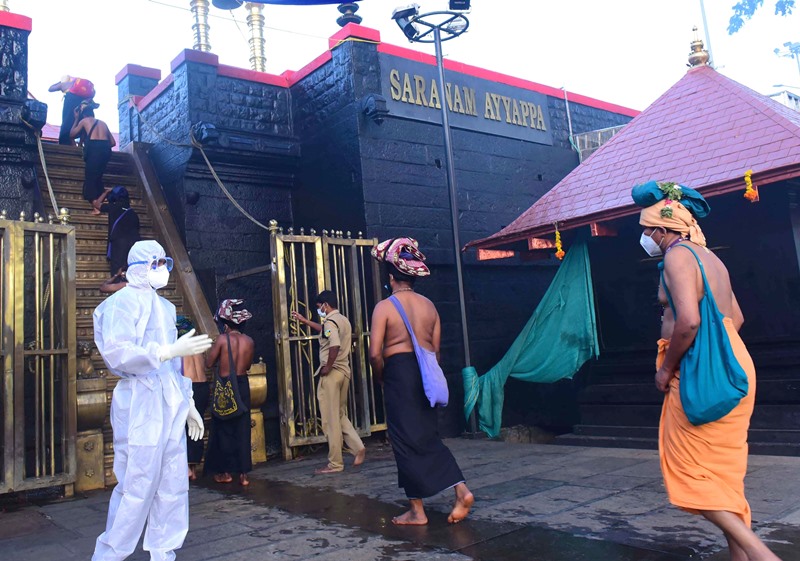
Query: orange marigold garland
{"x": 750, "y": 191}
{"x": 559, "y": 250}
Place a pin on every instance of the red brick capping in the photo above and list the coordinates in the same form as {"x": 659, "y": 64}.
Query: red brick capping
{"x": 136, "y": 70}
{"x": 17, "y": 21}
{"x": 190, "y": 55}
{"x": 252, "y": 76}
{"x": 353, "y": 30}
{"x": 143, "y": 102}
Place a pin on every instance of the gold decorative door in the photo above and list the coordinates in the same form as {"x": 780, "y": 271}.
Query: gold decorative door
{"x": 303, "y": 265}
{"x": 37, "y": 353}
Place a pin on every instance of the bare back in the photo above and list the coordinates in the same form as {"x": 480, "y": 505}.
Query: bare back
{"x": 194, "y": 368}
{"x": 684, "y": 277}
{"x": 242, "y": 348}
{"x": 424, "y": 320}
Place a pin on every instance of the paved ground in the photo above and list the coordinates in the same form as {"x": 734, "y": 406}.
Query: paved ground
{"x": 534, "y": 502}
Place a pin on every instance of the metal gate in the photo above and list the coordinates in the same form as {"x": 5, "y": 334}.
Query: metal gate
{"x": 37, "y": 353}
{"x": 303, "y": 265}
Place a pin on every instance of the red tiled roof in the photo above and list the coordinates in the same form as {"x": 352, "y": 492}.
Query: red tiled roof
{"x": 704, "y": 132}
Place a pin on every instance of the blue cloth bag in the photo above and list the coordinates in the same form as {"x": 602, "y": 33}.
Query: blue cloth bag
{"x": 433, "y": 380}
{"x": 712, "y": 380}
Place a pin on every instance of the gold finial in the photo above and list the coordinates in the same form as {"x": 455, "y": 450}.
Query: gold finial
{"x": 200, "y": 27}
{"x": 4, "y": 6}
{"x": 290, "y": 230}
{"x": 313, "y": 232}
{"x": 3, "y": 214}
{"x": 22, "y": 216}
{"x": 63, "y": 215}
{"x": 273, "y": 225}
{"x": 698, "y": 56}
{"x": 255, "y": 21}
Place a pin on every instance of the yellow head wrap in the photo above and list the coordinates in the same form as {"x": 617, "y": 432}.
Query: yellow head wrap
{"x": 681, "y": 220}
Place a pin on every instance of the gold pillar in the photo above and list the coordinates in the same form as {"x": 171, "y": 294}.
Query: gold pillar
{"x": 92, "y": 407}
{"x": 257, "y": 378}
{"x": 4, "y": 6}
{"x": 200, "y": 27}
{"x": 255, "y": 21}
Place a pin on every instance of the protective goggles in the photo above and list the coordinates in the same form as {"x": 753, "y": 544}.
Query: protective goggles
{"x": 155, "y": 263}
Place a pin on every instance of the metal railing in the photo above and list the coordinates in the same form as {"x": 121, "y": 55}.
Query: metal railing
{"x": 37, "y": 354}
{"x": 586, "y": 143}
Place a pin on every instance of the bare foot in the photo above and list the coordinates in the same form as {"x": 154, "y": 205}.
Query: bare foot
{"x": 327, "y": 470}
{"x": 464, "y": 502}
{"x": 223, "y": 478}
{"x": 410, "y": 518}
{"x": 192, "y": 474}
{"x": 243, "y": 481}
{"x": 95, "y": 212}
{"x": 360, "y": 455}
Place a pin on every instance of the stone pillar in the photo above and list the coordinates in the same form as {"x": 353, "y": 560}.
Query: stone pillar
{"x": 18, "y": 154}
{"x": 133, "y": 83}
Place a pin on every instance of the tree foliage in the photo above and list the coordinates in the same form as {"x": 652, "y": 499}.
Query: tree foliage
{"x": 744, "y": 10}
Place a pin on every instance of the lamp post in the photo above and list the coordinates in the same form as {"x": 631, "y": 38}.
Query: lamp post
{"x": 436, "y": 27}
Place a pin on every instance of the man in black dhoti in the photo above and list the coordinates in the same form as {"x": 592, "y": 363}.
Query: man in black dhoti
{"x": 229, "y": 441}
{"x": 425, "y": 466}
{"x": 97, "y": 142}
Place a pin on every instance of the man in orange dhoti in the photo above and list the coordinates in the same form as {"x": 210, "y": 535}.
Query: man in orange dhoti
{"x": 703, "y": 465}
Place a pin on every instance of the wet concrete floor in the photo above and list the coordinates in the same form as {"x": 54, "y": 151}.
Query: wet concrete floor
{"x": 481, "y": 540}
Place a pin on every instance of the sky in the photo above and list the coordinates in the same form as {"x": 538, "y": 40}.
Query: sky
{"x": 626, "y": 52}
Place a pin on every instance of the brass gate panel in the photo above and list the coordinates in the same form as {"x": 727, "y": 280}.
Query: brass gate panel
{"x": 303, "y": 265}
{"x": 38, "y": 393}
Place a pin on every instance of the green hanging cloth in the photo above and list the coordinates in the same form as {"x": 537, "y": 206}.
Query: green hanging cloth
{"x": 560, "y": 336}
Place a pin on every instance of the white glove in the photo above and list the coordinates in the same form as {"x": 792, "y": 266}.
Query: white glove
{"x": 194, "y": 422}
{"x": 188, "y": 345}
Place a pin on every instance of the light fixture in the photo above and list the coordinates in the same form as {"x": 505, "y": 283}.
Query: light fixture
{"x": 226, "y": 4}
{"x": 403, "y": 17}
{"x": 459, "y": 5}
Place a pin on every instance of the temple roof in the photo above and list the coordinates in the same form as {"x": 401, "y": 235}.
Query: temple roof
{"x": 705, "y": 132}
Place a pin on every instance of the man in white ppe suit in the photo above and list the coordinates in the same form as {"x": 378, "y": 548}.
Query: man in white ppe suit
{"x": 134, "y": 330}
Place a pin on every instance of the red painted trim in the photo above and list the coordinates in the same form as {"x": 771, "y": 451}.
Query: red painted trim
{"x": 310, "y": 67}
{"x": 353, "y": 30}
{"x": 252, "y": 76}
{"x": 493, "y": 76}
{"x": 17, "y": 21}
{"x": 136, "y": 70}
{"x": 155, "y": 92}
{"x": 190, "y": 55}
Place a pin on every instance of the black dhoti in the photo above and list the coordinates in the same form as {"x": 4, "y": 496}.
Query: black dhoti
{"x": 229, "y": 441}
{"x": 194, "y": 448}
{"x": 425, "y": 466}
{"x": 96, "y": 154}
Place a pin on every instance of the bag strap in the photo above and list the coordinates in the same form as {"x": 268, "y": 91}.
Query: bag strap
{"x": 403, "y": 315}
{"x": 91, "y": 130}
{"x": 111, "y": 233}
{"x": 707, "y": 288}
{"x": 231, "y": 362}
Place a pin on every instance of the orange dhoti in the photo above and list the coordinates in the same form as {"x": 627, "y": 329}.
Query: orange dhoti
{"x": 704, "y": 466}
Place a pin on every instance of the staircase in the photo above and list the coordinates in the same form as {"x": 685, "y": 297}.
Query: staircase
{"x": 66, "y": 171}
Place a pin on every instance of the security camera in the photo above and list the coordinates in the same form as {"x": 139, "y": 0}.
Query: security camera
{"x": 406, "y": 13}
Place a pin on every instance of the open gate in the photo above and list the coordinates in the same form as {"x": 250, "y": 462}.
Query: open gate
{"x": 303, "y": 265}
{"x": 37, "y": 353}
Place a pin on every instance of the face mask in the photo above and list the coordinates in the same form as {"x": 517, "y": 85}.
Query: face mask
{"x": 321, "y": 313}
{"x": 650, "y": 246}
{"x": 158, "y": 277}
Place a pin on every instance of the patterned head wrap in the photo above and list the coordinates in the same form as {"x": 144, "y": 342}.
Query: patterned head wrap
{"x": 184, "y": 325}
{"x": 227, "y": 312}
{"x": 671, "y": 206}
{"x": 404, "y": 254}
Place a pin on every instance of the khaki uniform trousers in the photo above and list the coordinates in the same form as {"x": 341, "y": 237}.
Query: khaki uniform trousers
{"x": 332, "y": 392}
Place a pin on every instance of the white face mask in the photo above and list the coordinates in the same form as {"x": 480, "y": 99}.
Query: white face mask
{"x": 650, "y": 245}
{"x": 321, "y": 313}
{"x": 159, "y": 277}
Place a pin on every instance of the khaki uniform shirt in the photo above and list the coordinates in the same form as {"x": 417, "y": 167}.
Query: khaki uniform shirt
{"x": 336, "y": 332}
